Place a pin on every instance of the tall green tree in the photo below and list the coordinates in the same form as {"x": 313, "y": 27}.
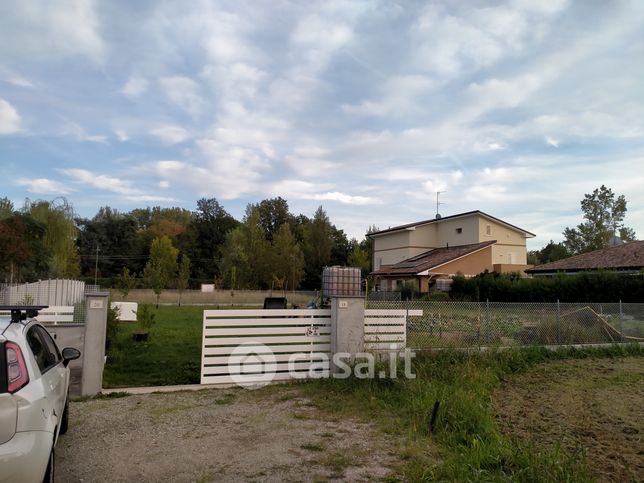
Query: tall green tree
{"x": 247, "y": 251}
{"x": 121, "y": 242}
{"x": 23, "y": 255}
{"x": 603, "y": 218}
{"x": 60, "y": 235}
{"x": 287, "y": 260}
{"x": 550, "y": 253}
{"x": 183, "y": 275}
{"x": 161, "y": 268}
{"x": 205, "y": 236}
{"x": 318, "y": 240}
{"x": 6, "y": 208}
{"x": 273, "y": 213}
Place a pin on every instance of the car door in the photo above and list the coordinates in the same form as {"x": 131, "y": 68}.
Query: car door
{"x": 50, "y": 401}
{"x": 56, "y": 374}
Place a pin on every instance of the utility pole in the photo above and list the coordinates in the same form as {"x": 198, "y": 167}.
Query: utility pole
{"x": 96, "y": 267}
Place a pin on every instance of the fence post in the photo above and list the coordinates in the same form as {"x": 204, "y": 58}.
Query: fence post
{"x": 621, "y": 320}
{"x": 488, "y": 321}
{"x": 94, "y": 345}
{"x": 347, "y": 326}
{"x": 558, "y": 323}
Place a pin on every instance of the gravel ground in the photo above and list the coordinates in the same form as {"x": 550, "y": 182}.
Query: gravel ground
{"x": 218, "y": 435}
{"x": 591, "y": 407}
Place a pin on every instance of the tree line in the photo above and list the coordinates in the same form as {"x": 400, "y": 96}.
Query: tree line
{"x": 175, "y": 247}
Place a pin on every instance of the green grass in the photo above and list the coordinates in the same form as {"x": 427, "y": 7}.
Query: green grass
{"x": 171, "y": 356}
{"x": 466, "y": 441}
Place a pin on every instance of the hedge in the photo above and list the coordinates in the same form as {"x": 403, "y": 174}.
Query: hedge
{"x": 583, "y": 287}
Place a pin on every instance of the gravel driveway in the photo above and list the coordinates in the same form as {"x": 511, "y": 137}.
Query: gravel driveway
{"x": 218, "y": 435}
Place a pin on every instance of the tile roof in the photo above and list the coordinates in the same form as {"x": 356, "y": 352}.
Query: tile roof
{"x": 430, "y": 259}
{"x": 437, "y": 220}
{"x": 627, "y": 256}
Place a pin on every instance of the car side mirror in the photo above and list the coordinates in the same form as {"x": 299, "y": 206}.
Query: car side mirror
{"x": 70, "y": 354}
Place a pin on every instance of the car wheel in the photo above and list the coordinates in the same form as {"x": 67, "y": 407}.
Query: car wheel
{"x": 64, "y": 423}
{"x": 49, "y": 474}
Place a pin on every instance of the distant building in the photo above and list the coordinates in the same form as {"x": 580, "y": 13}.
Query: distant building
{"x": 467, "y": 243}
{"x": 627, "y": 257}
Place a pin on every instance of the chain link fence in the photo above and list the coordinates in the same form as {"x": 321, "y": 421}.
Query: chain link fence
{"x": 475, "y": 324}
{"x": 65, "y": 299}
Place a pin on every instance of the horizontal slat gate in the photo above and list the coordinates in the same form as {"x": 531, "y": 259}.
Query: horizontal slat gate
{"x": 304, "y": 332}
{"x": 386, "y": 329}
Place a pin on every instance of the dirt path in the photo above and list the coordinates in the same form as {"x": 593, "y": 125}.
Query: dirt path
{"x": 591, "y": 406}
{"x": 217, "y": 435}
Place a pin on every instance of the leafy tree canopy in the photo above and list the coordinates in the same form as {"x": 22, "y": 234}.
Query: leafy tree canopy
{"x": 603, "y": 218}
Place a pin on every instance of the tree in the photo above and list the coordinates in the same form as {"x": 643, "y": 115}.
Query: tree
{"x": 183, "y": 275}
{"x": 205, "y": 236}
{"x": 6, "y": 208}
{"x": 603, "y": 215}
{"x": 120, "y": 240}
{"x": 247, "y": 251}
{"x": 23, "y": 255}
{"x": 60, "y": 235}
{"x": 162, "y": 266}
{"x": 273, "y": 213}
{"x": 126, "y": 282}
{"x": 359, "y": 257}
{"x": 318, "y": 240}
{"x": 287, "y": 260}
{"x": 550, "y": 253}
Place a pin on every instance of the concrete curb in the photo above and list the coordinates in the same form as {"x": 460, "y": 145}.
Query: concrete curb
{"x": 151, "y": 389}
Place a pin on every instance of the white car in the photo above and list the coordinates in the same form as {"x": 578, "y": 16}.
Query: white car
{"x": 34, "y": 383}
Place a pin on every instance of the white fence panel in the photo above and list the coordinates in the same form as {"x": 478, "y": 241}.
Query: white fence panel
{"x": 51, "y": 315}
{"x": 55, "y": 314}
{"x": 386, "y": 329}
{"x": 304, "y": 332}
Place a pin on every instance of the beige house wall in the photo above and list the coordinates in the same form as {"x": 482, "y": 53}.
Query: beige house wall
{"x": 510, "y": 248}
{"x": 448, "y": 231}
{"x": 395, "y": 247}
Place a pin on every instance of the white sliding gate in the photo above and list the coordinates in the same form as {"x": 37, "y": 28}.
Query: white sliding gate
{"x": 276, "y": 335}
{"x": 305, "y": 332}
{"x": 386, "y": 329}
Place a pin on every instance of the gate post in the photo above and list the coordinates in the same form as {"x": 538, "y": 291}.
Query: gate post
{"x": 94, "y": 346}
{"x": 347, "y": 326}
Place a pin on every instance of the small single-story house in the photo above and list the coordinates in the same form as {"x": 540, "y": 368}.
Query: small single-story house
{"x": 466, "y": 243}
{"x": 624, "y": 258}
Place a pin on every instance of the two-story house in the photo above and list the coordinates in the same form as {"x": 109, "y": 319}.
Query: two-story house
{"x": 467, "y": 243}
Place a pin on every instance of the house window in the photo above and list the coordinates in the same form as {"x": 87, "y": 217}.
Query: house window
{"x": 488, "y": 230}
{"x": 459, "y": 230}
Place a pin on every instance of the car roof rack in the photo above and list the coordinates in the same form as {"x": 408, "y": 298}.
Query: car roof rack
{"x": 21, "y": 312}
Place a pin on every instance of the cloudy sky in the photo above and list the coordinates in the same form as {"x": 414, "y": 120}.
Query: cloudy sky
{"x": 516, "y": 108}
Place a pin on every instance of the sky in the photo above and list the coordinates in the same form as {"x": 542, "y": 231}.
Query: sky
{"x": 516, "y": 108}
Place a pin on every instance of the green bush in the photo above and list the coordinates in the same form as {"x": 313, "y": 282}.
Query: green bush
{"x": 145, "y": 317}
{"x": 583, "y": 287}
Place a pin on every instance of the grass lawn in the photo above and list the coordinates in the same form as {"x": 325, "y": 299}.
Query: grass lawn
{"x": 473, "y": 439}
{"x": 171, "y": 356}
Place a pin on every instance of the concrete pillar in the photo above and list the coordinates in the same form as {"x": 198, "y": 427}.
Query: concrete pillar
{"x": 347, "y": 325}
{"x": 94, "y": 346}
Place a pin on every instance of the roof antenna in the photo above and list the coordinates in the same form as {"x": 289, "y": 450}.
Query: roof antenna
{"x": 438, "y": 215}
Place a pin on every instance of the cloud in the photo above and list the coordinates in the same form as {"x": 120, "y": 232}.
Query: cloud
{"x": 112, "y": 184}
{"x": 73, "y": 129}
{"x": 399, "y": 97}
{"x": 183, "y": 92}
{"x": 44, "y": 186}
{"x": 171, "y": 134}
{"x": 552, "y": 142}
{"x": 12, "y": 77}
{"x": 135, "y": 86}
{"x": 9, "y": 118}
{"x": 50, "y": 30}
{"x": 304, "y": 190}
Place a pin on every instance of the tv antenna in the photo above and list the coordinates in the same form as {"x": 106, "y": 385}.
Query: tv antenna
{"x": 438, "y": 215}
